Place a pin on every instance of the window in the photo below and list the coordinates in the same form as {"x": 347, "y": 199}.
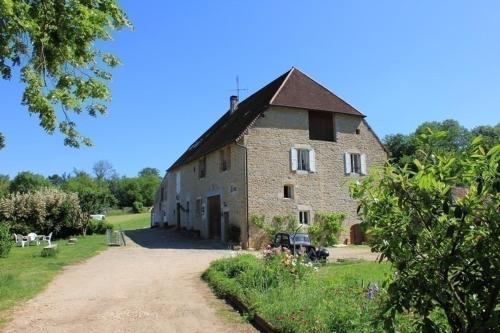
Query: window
{"x": 304, "y": 217}
{"x": 355, "y": 163}
{"x": 321, "y": 126}
{"x": 198, "y": 207}
{"x": 202, "y": 167}
{"x": 225, "y": 159}
{"x": 358, "y": 131}
{"x": 303, "y": 159}
{"x": 161, "y": 193}
{"x": 288, "y": 191}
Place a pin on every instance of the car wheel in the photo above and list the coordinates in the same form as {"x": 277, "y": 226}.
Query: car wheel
{"x": 312, "y": 255}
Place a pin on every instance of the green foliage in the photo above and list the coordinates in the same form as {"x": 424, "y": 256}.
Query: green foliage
{"x": 334, "y": 299}
{"x": 5, "y": 240}
{"x": 137, "y": 207}
{"x": 98, "y": 227}
{"x": 326, "y": 226}
{"x": 455, "y": 138}
{"x": 234, "y": 233}
{"x": 489, "y": 134}
{"x": 93, "y": 202}
{"x": 93, "y": 194}
{"x": 141, "y": 189}
{"x": 43, "y": 211}
{"x": 27, "y": 182}
{"x": 437, "y": 221}
{"x": 4, "y": 185}
{"x": 149, "y": 172}
{"x": 54, "y": 43}
{"x": 2, "y": 141}
{"x": 286, "y": 223}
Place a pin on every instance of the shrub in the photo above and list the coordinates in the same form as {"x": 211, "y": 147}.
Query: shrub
{"x": 137, "y": 207}
{"x": 293, "y": 298}
{"x": 98, "y": 227}
{"x": 438, "y": 222}
{"x": 234, "y": 234}
{"x": 44, "y": 211}
{"x": 287, "y": 223}
{"x": 326, "y": 226}
{"x": 5, "y": 240}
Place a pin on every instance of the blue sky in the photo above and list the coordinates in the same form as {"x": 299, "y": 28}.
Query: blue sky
{"x": 398, "y": 62}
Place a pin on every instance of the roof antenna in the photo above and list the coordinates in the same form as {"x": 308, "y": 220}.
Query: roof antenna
{"x": 238, "y": 89}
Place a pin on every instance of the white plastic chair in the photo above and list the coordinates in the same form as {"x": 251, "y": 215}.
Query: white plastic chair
{"x": 32, "y": 237}
{"x": 46, "y": 238}
{"x": 21, "y": 240}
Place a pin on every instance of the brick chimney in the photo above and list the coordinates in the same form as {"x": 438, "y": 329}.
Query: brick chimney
{"x": 233, "y": 103}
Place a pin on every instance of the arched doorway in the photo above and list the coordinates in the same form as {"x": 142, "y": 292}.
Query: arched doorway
{"x": 357, "y": 234}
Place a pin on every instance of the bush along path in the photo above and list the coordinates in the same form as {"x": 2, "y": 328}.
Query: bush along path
{"x": 291, "y": 295}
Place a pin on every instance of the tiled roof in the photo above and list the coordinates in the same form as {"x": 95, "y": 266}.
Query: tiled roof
{"x": 292, "y": 89}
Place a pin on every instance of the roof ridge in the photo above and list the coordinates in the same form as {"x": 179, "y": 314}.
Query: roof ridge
{"x": 282, "y": 84}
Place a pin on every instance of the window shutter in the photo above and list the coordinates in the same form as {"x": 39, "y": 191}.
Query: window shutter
{"x": 347, "y": 163}
{"x": 363, "y": 164}
{"x": 294, "y": 159}
{"x": 312, "y": 160}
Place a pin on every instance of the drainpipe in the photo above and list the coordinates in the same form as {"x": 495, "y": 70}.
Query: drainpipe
{"x": 246, "y": 189}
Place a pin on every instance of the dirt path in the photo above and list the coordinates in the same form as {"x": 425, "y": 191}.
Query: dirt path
{"x": 152, "y": 285}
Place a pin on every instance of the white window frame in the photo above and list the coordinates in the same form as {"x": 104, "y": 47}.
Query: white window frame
{"x": 305, "y": 217}
{"x": 349, "y": 164}
{"x": 303, "y": 159}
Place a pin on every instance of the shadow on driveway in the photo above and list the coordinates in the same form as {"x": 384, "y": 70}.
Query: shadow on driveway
{"x": 160, "y": 238}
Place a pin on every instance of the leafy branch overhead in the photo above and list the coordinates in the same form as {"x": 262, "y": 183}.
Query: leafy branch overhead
{"x": 53, "y": 44}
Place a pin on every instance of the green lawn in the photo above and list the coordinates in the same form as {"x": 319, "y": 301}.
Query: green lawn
{"x": 333, "y": 299}
{"x": 24, "y": 273}
{"x": 130, "y": 221}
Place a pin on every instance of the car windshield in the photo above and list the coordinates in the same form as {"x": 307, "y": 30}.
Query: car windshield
{"x": 300, "y": 238}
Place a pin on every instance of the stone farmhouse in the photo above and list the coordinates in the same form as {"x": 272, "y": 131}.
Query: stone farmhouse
{"x": 292, "y": 147}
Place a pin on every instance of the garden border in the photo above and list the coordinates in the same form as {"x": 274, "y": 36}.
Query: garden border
{"x": 257, "y": 321}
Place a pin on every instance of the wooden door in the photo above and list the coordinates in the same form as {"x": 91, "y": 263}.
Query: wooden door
{"x": 214, "y": 228}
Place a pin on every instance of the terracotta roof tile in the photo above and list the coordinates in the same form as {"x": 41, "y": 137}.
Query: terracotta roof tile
{"x": 292, "y": 89}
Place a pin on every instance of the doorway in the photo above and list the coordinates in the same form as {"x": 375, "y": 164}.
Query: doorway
{"x": 214, "y": 221}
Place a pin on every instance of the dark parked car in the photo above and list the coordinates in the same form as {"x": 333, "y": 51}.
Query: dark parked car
{"x": 293, "y": 242}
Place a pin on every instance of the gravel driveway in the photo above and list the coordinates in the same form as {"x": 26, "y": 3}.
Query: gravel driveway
{"x": 152, "y": 285}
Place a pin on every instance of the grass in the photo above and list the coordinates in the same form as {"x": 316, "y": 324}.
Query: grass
{"x": 130, "y": 221}
{"x": 333, "y": 299}
{"x": 24, "y": 273}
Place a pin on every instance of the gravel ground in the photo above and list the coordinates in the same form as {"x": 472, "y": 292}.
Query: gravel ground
{"x": 152, "y": 285}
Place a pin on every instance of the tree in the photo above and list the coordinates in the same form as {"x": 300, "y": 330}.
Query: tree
{"x": 4, "y": 185}
{"x": 489, "y": 134}
{"x": 27, "y": 181}
{"x": 103, "y": 170}
{"x": 455, "y": 137}
{"x": 57, "y": 180}
{"x": 2, "y": 141}
{"x": 149, "y": 172}
{"x": 54, "y": 44}
{"x": 401, "y": 146}
{"x": 94, "y": 195}
{"x": 438, "y": 223}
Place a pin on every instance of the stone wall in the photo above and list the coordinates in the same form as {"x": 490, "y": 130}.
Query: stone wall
{"x": 269, "y": 143}
{"x": 229, "y": 184}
